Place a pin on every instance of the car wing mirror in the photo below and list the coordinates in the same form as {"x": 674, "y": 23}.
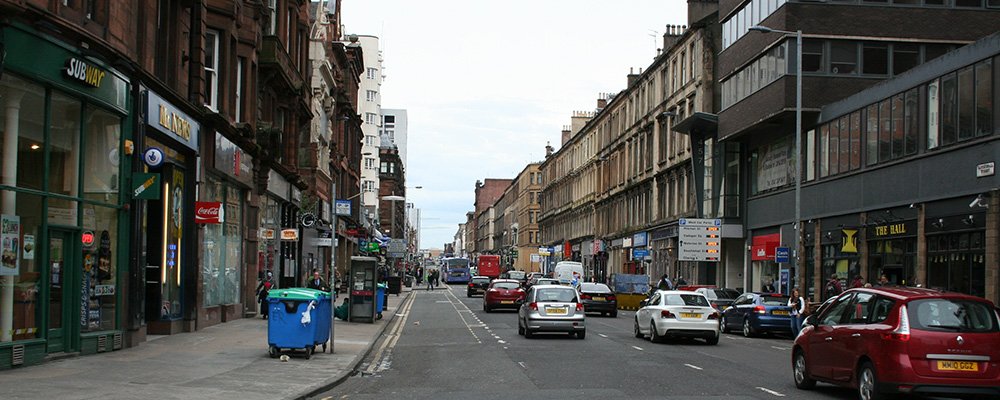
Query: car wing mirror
{"x": 810, "y": 320}
{"x": 643, "y": 303}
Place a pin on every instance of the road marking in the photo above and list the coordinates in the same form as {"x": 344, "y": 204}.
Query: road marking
{"x": 637, "y": 348}
{"x": 443, "y": 301}
{"x": 770, "y": 391}
{"x": 393, "y": 337}
{"x": 327, "y": 398}
{"x": 501, "y": 341}
{"x": 780, "y": 348}
{"x": 602, "y": 335}
{"x": 521, "y": 363}
{"x": 693, "y": 366}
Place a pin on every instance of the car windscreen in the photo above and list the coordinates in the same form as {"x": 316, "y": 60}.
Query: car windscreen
{"x": 952, "y": 315}
{"x": 556, "y": 295}
{"x": 594, "y": 288}
{"x": 548, "y": 282}
{"x": 480, "y": 280}
{"x": 506, "y": 285}
{"x": 723, "y": 294}
{"x": 685, "y": 300}
{"x": 774, "y": 300}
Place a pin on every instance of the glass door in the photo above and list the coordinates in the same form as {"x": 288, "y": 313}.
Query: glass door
{"x": 61, "y": 266}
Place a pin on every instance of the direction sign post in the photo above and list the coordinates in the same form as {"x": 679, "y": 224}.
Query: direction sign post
{"x": 700, "y": 239}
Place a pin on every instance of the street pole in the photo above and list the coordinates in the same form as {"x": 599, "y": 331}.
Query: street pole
{"x": 798, "y": 156}
{"x": 333, "y": 262}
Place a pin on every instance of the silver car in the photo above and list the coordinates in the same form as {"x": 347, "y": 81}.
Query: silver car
{"x": 551, "y": 308}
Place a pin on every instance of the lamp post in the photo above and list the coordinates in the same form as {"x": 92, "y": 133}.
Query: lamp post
{"x": 798, "y": 138}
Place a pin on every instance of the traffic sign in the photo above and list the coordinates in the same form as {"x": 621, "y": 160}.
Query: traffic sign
{"x": 638, "y": 254}
{"x": 700, "y": 239}
{"x": 781, "y": 255}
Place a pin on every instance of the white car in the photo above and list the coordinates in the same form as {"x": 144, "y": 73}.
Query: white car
{"x": 677, "y": 313}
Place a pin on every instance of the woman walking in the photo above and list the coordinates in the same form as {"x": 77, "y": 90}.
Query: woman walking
{"x": 798, "y": 306}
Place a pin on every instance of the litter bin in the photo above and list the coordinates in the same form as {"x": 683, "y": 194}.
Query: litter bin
{"x": 408, "y": 280}
{"x": 395, "y": 285}
{"x": 381, "y": 298}
{"x": 299, "y": 320}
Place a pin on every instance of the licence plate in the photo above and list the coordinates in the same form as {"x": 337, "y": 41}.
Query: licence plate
{"x": 958, "y": 366}
{"x": 506, "y": 301}
{"x": 690, "y": 315}
{"x": 599, "y": 299}
{"x": 555, "y": 311}
{"x": 779, "y": 312}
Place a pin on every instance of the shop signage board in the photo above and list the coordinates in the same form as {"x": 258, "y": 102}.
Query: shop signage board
{"x": 209, "y": 212}
{"x": 700, "y": 239}
{"x": 291, "y": 235}
{"x": 267, "y": 234}
{"x": 781, "y": 255}
{"x": 231, "y": 160}
{"x": 536, "y": 258}
{"x": 145, "y": 186}
{"x": 324, "y": 238}
{"x": 545, "y": 251}
{"x": 640, "y": 239}
{"x": 167, "y": 118}
{"x": 342, "y": 207}
{"x": 638, "y": 254}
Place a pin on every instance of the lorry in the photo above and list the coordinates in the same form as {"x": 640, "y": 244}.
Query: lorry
{"x": 568, "y": 272}
{"x": 489, "y": 265}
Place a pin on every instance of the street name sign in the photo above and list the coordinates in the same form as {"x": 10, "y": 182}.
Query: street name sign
{"x": 700, "y": 239}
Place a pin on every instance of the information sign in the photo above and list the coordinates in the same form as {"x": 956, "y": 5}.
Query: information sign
{"x": 700, "y": 239}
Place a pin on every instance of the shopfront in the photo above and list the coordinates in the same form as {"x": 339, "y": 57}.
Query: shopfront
{"x": 840, "y": 246}
{"x": 279, "y": 245}
{"x": 956, "y": 253}
{"x": 892, "y": 251}
{"x": 169, "y": 150}
{"x": 663, "y": 249}
{"x": 223, "y": 195}
{"x": 63, "y": 131}
{"x": 763, "y": 268}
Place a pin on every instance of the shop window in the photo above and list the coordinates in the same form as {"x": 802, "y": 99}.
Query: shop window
{"x": 20, "y": 264}
{"x": 956, "y": 262}
{"x": 984, "y": 98}
{"x": 100, "y": 268}
{"x": 101, "y": 157}
{"x": 64, "y": 148}
{"x": 25, "y": 146}
{"x": 876, "y": 58}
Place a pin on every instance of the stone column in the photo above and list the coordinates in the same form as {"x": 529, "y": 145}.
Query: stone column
{"x": 8, "y": 200}
{"x": 992, "y": 241}
{"x": 921, "y": 272}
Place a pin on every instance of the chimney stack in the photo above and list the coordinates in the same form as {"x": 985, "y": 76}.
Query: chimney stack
{"x": 548, "y": 150}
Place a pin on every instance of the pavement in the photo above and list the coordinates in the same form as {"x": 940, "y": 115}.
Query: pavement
{"x": 226, "y": 361}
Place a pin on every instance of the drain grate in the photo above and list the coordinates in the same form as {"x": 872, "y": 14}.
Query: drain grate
{"x": 102, "y": 344}
{"x": 17, "y": 355}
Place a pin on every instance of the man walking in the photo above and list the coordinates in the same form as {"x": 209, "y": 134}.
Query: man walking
{"x": 833, "y": 287}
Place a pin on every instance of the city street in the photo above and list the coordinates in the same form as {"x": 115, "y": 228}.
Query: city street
{"x": 449, "y": 348}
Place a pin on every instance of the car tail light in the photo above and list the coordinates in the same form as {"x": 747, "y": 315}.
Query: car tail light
{"x": 714, "y": 315}
{"x": 533, "y": 306}
{"x": 902, "y": 331}
{"x": 611, "y": 298}
{"x": 584, "y": 296}
{"x": 666, "y": 314}
{"x": 579, "y": 307}
{"x": 759, "y": 310}
{"x": 472, "y": 284}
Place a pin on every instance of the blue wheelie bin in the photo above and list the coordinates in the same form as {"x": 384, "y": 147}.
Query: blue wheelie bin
{"x": 380, "y": 300}
{"x": 286, "y": 329}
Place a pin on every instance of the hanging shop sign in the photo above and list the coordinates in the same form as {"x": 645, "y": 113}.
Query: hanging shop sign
{"x": 10, "y": 244}
{"x": 290, "y": 235}
{"x": 153, "y": 157}
{"x": 342, "y": 207}
{"x": 209, "y": 212}
{"x": 167, "y": 118}
{"x": 324, "y": 238}
{"x": 267, "y": 234}
{"x": 231, "y": 160}
{"x": 849, "y": 241}
{"x": 145, "y": 186}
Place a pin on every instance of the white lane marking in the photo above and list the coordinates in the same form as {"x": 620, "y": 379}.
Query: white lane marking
{"x": 501, "y": 341}
{"x": 780, "y": 348}
{"x": 637, "y": 348}
{"x": 443, "y": 301}
{"x": 770, "y": 391}
{"x": 602, "y": 335}
{"x": 693, "y": 366}
{"x": 521, "y": 363}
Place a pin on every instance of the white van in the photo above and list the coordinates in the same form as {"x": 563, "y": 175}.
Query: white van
{"x": 568, "y": 271}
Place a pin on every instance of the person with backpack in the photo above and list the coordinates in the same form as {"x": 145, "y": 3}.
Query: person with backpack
{"x": 833, "y": 287}
{"x": 665, "y": 283}
{"x": 263, "y": 288}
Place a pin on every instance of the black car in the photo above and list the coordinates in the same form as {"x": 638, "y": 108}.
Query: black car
{"x": 477, "y": 286}
{"x": 598, "y": 297}
{"x": 720, "y": 299}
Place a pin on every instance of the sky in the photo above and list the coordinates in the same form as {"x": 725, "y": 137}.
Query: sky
{"x": 487, "y": 83}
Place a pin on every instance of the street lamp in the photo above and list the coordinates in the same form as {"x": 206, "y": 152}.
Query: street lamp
{"x": 798, "y": 136}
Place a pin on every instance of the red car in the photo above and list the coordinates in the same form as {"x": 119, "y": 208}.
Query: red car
{"x": 902, "y": 340}
{"x": 503, "y": 293}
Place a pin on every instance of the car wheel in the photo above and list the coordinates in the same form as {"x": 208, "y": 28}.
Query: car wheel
{"x": 725, "y": 326}
{"x": 520, "y": 328}
{"x": 713, "y": 341}
{"x": 800, "y": 373}
{"x": 638, "y": 334}
{"x": 614, "y": 314}
{"x": 868, "y": 383}
{"x": 581, "y": 334}
{"x": 747, "y": 329}
{"x": 528, "y": 333}
{"x": 654, "y": 336}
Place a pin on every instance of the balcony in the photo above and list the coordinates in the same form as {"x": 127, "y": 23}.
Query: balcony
{"x": 275, "y": 62}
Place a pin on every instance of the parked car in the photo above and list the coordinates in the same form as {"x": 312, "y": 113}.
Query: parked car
{"x": 677, "y": 313}
{"x": 911, "y": 341}
{"x": 758, "y": 313}
{"x": 721, "y": 299}
{"x": 551, "y": 308}
{"x": 693, "y": 288}
{"x": 477, "y": 286}
{"x": 519, "y": 276}
{"x": 598, "y": 297}
{"x": 543, "y": 281}
{"x": 503, "y": 293}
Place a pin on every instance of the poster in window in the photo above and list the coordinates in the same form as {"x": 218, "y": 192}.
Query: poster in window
{"x": 104, "y": 270}
{"x": 10, "y": 244}
{"x": 776, "y": 166}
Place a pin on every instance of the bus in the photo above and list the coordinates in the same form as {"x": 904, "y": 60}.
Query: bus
{"x": 455, "y": 270}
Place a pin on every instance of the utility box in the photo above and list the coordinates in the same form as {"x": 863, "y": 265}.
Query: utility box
{"x": 364, "y": 275}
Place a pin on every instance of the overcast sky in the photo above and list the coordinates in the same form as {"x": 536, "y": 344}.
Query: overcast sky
{"x": 487, "y": 83}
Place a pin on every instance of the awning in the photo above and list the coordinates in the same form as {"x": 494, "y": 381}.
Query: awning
{"x": 698, "y": 124}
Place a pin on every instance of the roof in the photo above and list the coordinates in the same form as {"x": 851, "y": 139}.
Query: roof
{"x": 914, "y": 293}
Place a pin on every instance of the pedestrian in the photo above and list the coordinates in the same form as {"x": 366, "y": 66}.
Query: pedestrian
{"x": 833, "y": 286}
{"x": 263, "y": 288}
{"x": 681, "y": 281}
{"x": 798, "y": 309}
{"x": 317, "y": 282}
{"x": 883, "y": 280}
{"x": 768, "y": 287}
{"x": 430, "y": 280}
{"x": 665, "y": 283}
{"x": 857, "y": 282}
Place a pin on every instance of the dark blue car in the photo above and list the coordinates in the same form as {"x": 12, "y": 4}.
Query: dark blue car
{"x": 757, "y": 313}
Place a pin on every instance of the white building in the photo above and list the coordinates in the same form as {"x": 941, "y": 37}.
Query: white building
{"x": 394, "y": 129}
{"x": 370, "y": 108}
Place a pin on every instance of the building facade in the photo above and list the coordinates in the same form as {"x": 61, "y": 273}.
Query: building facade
{"x": 395, "y": 128}
{"x": 370, "y": 110}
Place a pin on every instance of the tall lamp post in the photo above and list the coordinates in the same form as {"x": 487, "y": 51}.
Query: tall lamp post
{"x": 798, "y": 138}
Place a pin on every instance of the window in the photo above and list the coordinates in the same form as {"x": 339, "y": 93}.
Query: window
{"x": 273, "y": 9}
{"x": 683, "y": 63}
{"x": 212, "y": 69}
{"x": 984, "y": 97}
{"x": 856, "y": 140}
{"x": 834, "y": 149}
{"x": 691, "y": 58}
{"x": 371, "y": 118}
{"x": 238, "y": 115}
{"x": 385, "y": 168}
{"x": 844, "y": 158}
{"x": 810, "y": 156}
{"x": 969, "y": 3}
{"x": 897, "y": 126}
{"x": 933, "y": 114}
{"x": 371, "y": 95}
{"x": 885, "y": 130}
{"x": 966, "y": 103}
{"x": 875, "y": 57}
{"x": 949, "y": 109}
{"x": 911, "y": 113}
{"x": 369, "y": 163}
{"x": 372, "y": 72}
{"x": 880, "y": 312}
{"x": 862, "y": 308}
{"x": 843, "y": 57}
{"x": 904, "y": 57}
{"x": 812, "y": 56}
{"x": 835, "y": 314}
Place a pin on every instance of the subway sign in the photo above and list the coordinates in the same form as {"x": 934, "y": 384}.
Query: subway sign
{"x": 83, "y": 72}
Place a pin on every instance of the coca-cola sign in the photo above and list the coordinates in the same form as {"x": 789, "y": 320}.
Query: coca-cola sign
{"x": 208, "y": 212}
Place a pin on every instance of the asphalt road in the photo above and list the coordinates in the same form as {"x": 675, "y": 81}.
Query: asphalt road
{"x": 446, "y": 347}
